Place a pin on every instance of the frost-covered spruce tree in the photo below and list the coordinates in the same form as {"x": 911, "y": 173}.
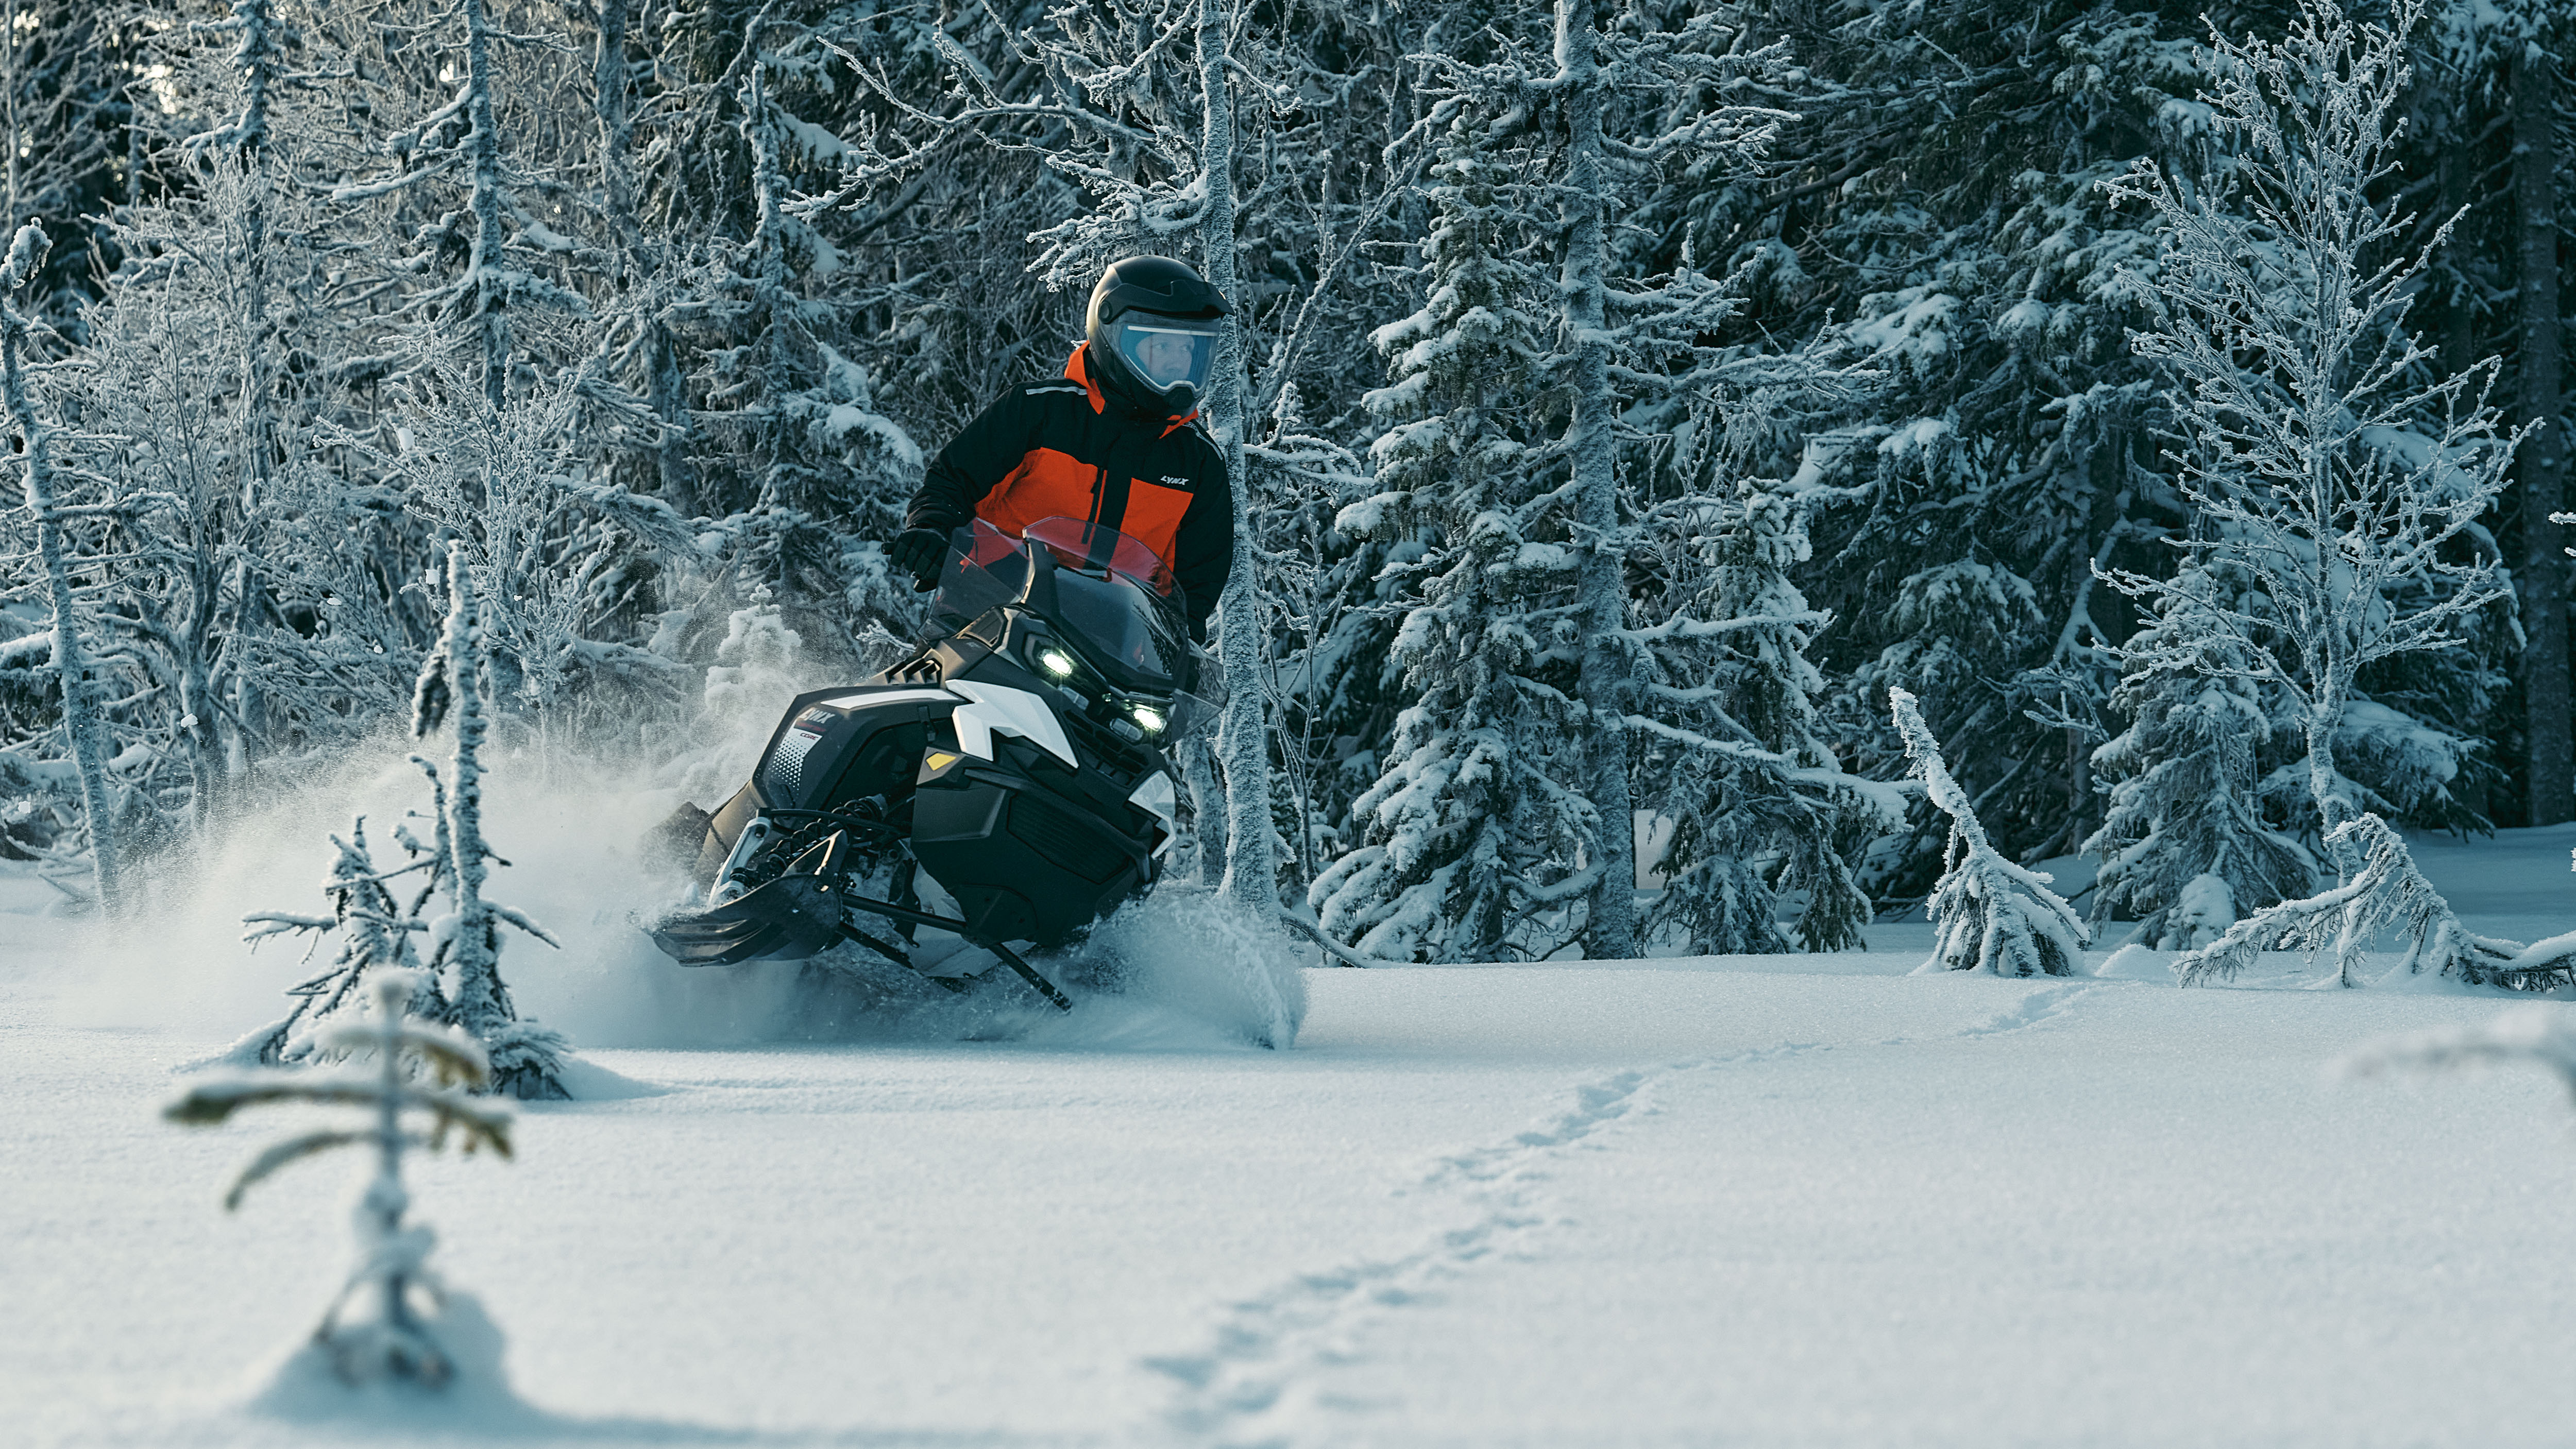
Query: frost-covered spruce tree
{"x": 1611, "y": 355}
{"x": 527, "y": 1059}
{"x": 1726, "y": 704}
{"x": 812, "y": 475}
{"x": 1466, "y": 827}
{"x": 83, "y": 727}
{"x": 1934, "y": 225}
{"x": 386, "y": 1323}
{"x": 1538, "y": 155}
{"x": 2183, "y": 799}
{"x": 2324, "y": 469}
{"x": 375, "y": 938}
{"x": 1993, "y": 915}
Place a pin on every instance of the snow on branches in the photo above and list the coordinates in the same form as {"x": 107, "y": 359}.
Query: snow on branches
{"x": 2387, "y": 893}
{"x": 1993, "y": 915}
{"x": 383, "y": 1325}
{"x": 2185, "y": 832}
{"x": 460, "y": 983}
{"x": 2320, "y": 461}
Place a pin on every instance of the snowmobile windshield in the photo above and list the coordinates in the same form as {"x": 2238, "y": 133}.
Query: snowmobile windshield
{"x": 1111, "y": 592}
{"x": 1165, "y": 352}
{"x": 1124, "y": 625}
{"x": 986, "y": 569}
{"x": 1097, "y": 550}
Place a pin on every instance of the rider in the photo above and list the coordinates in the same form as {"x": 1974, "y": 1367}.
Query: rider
{"x": 1115, "y": 441}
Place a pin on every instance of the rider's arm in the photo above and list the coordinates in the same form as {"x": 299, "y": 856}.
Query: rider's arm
{"x": 1203, "y": 549}
{"x": 981, "y": 455}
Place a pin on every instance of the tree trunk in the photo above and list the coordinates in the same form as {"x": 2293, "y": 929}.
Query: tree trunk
{"x": 1251, "y": 864}
{"x": 2543, "y": 573}
{"x": 2325, "y": 785}
{"x": 1601, "y": 587}
{"x": 82, "y": 726}
{"x": 483, "y": 150}
{"x": 664, "y": 388}
{"x": 258, "y": 58}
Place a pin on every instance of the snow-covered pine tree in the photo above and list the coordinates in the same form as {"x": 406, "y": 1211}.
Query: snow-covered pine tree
{"x": 1459, "y": 838}
{"x": 811, "y": 476}
{"x": 1541, "y": 156}
{"x": 69, "y": 72}
{"x": 526, "y": 1059}
{"x": 1757, "y": 802}
{"x": 2183, "y": 795}
{"x": 1933, "y": 232}
{"x": 2325, "y": 471}
{"x": 384, "y": 1324}
{"x": 1993, "y": 915}
{"x": 1623, "y": 339}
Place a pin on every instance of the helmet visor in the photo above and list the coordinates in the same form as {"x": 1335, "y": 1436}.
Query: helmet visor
{"x": 1166, "y": 352}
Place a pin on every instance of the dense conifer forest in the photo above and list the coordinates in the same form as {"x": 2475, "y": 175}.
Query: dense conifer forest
{"x": 1627, "y": 396}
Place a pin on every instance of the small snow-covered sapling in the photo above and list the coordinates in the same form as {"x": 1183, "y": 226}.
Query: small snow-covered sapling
{"x": 380, "y": 1327}
{"x": 375, "y": 934}
{"x": 1994, "y": 916}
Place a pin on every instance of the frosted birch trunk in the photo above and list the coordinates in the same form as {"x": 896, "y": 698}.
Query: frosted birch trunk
{"x": 82, "y": 726}
{"x": 2323, "y": 717}
{"x": 482, "y": 1002}
{"x": 1601, "y": 589}
{"x": 1251, "y": 865}
{"x": 257, "y": 57}
{"x": 2542, "y": 575}
{"x": 768, "y": 186}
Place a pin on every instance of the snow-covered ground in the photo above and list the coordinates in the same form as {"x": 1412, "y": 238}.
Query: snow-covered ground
{"x": 1758, "y": 1201}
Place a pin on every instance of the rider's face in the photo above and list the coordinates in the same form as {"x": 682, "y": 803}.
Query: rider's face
{"x": 1165, "y": 357}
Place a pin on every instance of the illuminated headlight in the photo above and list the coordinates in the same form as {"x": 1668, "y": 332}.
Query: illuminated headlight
{"x": 1055, "y": 662}
{"x": 1149, "y": 717}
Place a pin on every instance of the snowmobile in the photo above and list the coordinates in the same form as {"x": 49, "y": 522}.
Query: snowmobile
{"x": 1006, "y": 783}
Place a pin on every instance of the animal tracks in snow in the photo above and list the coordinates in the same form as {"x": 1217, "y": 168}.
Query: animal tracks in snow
{"x": 1262, "y": 1378}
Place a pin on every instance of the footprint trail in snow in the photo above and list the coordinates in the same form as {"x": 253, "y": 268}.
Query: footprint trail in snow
{"x": 1262, "y": 1377}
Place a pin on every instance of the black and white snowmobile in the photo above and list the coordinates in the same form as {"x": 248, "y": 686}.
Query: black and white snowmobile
{"x": 1005, "y": 784}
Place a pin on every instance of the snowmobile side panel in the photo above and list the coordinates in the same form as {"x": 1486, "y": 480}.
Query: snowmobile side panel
{"x": 828, "y": 732}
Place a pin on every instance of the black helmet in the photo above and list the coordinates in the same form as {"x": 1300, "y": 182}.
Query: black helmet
{"x": 1153, "y": 332}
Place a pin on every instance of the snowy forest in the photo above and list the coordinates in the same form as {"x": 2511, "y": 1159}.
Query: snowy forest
{"x": 1630, "y": 401}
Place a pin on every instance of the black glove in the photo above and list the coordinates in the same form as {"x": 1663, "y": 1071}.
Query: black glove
{"x": 920, "y": 552}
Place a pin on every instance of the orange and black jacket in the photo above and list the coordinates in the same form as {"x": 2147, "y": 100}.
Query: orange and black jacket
{"x": 1060, "y": 448}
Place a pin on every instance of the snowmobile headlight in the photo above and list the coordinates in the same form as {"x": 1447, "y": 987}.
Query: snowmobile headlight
{"x": 1149, "y": 717}
{"x": 1055, "y": 662}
